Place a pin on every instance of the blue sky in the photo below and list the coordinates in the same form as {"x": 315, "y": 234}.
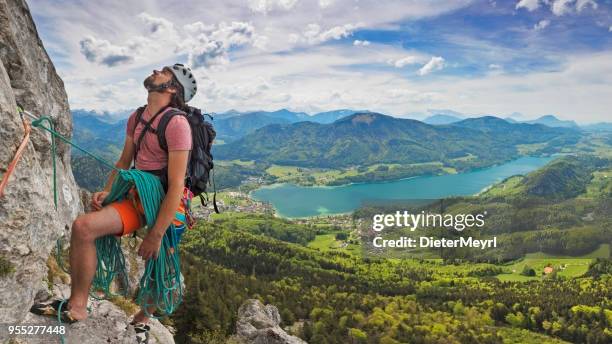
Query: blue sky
{"x": 405, "y": 58}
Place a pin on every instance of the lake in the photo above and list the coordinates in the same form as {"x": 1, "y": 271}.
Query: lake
{"x": 291, "y": 200}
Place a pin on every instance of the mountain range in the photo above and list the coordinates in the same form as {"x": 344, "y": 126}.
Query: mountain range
{"x": 547, "y": 120}
{"x": 230, "y": 125}
{"x": 441, "y": 119}
{"x": 233, "y": 125}
{"x": 97, "y": 133}
{"x": 552, "y": 121}
{"x": 369, "y": 138}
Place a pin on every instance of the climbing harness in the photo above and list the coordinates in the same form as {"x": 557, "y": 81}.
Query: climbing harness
{"x": 161, "y": 285}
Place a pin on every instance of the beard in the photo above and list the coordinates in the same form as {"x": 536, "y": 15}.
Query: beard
{"x": 148, "y": 82}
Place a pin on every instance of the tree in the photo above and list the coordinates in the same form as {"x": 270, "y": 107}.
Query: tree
{"x": 357, "y": 336}
{"x": 528, "y": 271}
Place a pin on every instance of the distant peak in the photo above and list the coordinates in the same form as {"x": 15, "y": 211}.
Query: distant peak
{"x": 486, "y": 119}
{"x": 548, "y": 117}
{"x": 363, "y": 117}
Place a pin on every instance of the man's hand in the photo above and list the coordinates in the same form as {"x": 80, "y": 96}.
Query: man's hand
{"x": 150, "y": 246}
{"x": 97, "y": 199}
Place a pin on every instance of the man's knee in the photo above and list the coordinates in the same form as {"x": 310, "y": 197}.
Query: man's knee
{"x": 82, "y": 228}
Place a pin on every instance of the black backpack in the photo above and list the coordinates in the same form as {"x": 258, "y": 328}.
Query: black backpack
{"x": 200, "y": 158}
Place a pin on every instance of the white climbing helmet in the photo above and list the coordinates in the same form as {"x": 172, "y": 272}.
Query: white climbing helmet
{"x": 186, "y": 79}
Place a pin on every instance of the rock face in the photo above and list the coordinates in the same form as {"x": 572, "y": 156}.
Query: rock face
{"x": 259, "y": 324}
{"x": 30, "y": 224}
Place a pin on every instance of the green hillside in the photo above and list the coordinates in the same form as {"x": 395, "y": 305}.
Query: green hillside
{"x": 365, "y": 139}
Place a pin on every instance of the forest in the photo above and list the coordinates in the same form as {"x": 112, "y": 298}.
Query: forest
{"x": 336, "y": 297}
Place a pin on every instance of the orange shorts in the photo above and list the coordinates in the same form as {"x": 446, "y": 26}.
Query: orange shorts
{"x": 132, "y": 213}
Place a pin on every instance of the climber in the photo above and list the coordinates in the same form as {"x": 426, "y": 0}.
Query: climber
{"x": 170, "y": 87}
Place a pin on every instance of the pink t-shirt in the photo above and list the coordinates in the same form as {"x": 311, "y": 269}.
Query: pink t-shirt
{"x": 150, "y": 155}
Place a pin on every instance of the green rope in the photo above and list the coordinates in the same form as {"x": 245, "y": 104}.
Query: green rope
{"x": 59, "y": 251}
{"x": 111, "y": 265}
{"x": 38, "y": 123}
{"x": 160, "y": 286}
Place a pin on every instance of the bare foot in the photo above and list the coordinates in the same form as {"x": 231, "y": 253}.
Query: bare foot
{"x": 78, "y": 313}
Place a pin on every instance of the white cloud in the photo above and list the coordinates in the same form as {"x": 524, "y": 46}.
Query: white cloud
{"x": 157, "y": 25}
{"x": 103, "y": 52}
{"x": 207, "y": 54}
{"x": 293, "y": 38}
{"x": 542, "y": 24}
{"x": 403, "y": 95}
{"x": 405, "y": 61}
{"x": 325, "y": 3}
{"x": 362, "y": 43}
{"x": 562, "y": 7}
{"x": 208, "y": 45}
{"x": 530, "y": 5}
{"x": 581, "y": 4}
{"x": 265, "y": 6}
{"x": 205, "y": 45}
{"x": 236, "y": 33}
{"x": 495, "y": 66}
{"x": 436, "y": 63}
{"x": 558, "y": 7}
{"x": 313, "y": 33}
{"x": 337, "y": 32}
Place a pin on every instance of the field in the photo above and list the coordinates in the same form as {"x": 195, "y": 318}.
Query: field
{"x": 566, "y": 266}
{"x": 382, "y": 172}
{"x": 245, "y": 163}
{"x": 328, "y": 241}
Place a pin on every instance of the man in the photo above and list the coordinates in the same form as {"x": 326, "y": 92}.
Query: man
{"x": 171, "y": 87}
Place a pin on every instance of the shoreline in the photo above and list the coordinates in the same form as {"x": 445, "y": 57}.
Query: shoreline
{"x": 276, "y": 185}
{"x": 475, "y": 169}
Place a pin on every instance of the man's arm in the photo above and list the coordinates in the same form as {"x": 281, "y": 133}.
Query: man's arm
{"x": 177, "y": 167}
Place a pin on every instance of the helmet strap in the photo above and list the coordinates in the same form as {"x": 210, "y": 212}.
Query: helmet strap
{"x": 159, "y": 88}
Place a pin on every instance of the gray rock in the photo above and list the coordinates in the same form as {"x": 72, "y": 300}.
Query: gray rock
{"x": 30, "y": 223}
{"x": 106, "y": 324}
{"x": 259, "y": 324}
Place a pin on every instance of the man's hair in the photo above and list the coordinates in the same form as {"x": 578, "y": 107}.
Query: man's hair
{"x": 178, "y": 100}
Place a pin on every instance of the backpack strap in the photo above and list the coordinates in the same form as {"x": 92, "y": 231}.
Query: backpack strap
{"x": 163, "y": 124}
{"x": 138, "y": 118}
{"x": 147, "y": 127}
{"x": 160, "y": 131}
